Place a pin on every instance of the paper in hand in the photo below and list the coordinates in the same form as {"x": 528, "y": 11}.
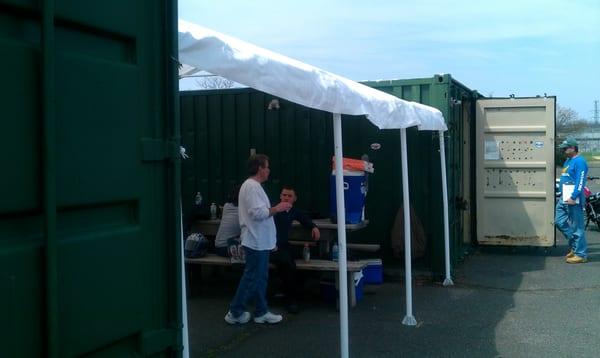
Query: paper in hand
{"x": 567, "y": 190}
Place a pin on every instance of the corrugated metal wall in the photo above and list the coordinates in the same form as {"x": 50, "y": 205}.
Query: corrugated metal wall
{"x": 219, "y": 127}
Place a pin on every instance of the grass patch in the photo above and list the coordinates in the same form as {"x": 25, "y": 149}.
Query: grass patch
{"x": 591, "y": 156}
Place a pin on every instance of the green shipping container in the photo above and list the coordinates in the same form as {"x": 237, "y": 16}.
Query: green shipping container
{"x": 220, "y": 128}
{"x": 89, "y": 230}
{"x": 457, "y": 104}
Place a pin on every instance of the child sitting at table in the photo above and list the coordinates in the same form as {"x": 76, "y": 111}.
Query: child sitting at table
{"x": 228, "y": 234}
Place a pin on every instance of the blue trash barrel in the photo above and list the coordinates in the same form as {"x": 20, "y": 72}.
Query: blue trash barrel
{"x": 354, "y": 196}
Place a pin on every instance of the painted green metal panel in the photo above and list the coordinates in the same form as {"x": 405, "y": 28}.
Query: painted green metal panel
{"x": 238, "y": 121}
{"x": 453, "y": 99}
{"x": 89, "y": 233}
{"x": 299, "y": 142}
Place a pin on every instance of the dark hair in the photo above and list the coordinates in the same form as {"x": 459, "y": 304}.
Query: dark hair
{"x": 576, "y": 148}
{"x": 289, "y": 187}
{"x": 256, "y": 161}
{"x": 234, "y": 194}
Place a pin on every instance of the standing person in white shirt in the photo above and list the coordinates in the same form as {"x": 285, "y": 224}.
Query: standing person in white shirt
{"x": 258, "y": 239}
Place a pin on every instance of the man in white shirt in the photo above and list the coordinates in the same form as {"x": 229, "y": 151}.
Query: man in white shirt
{"x": 258, "y": 239}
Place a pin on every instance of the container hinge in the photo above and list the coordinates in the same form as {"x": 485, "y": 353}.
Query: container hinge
{"x": 153, "y": 342}
{"x": 154, "y": 150}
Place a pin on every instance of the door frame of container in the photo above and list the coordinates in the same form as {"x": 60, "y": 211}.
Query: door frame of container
{"x": 467, "y": 182}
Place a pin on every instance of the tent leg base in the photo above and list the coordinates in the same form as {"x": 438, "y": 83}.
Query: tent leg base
{"x": 409, "y": 321}
{"x": 448, "y": 282}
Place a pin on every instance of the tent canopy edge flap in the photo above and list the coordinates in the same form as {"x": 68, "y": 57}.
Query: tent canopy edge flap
{"x": 298, "y": 82}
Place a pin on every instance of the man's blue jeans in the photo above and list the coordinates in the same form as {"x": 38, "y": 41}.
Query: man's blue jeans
{"x": 253, "y": 284}
{"x": 569, "y": 220}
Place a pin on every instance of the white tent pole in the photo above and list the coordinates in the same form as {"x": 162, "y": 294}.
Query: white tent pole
{"x": 448, "y": 279}
{"x": 341, "y": 229}
{"x": 184, "y": 320}
{"x": 409, "y": 319}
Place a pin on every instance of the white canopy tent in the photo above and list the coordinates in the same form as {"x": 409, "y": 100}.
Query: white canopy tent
{"x": 204, "y": 49}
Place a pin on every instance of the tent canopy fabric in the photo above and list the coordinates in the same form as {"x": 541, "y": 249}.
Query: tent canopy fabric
{"x": 204, "y": 49}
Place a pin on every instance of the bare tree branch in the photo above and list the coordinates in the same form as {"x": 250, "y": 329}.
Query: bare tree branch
{"x": 214, "y": 82}
{"x": 568, "y": 121}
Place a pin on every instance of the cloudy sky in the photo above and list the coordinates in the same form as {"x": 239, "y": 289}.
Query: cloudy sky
{"x": 525, "y": 47}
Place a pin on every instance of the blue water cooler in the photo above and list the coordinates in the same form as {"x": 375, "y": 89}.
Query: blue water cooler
{"x": 354, "y": 196}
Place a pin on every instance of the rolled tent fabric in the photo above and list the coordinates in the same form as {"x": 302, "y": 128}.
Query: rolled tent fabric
{"x": 295, "y": 81}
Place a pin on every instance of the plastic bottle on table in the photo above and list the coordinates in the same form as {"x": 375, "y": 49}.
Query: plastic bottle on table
{"x": 213, "y": 211}
{"x": 306, "y": 253}
{"x": 334, "y": 252}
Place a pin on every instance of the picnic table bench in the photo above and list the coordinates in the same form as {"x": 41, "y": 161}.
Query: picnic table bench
{"x": 311, "y": 265}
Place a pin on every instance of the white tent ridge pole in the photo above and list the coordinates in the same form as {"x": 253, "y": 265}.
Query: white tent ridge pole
{"x": 409, "y": 319}
{"x": 341, "y": 229}
{"x": 448, "y": 279}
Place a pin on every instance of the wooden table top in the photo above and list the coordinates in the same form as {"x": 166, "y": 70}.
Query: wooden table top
{"x": 321, "y": 224}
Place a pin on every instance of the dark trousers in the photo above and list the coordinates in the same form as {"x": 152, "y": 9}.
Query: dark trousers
{"x": 286, "y": 269}
{"x": 222, "y": 251}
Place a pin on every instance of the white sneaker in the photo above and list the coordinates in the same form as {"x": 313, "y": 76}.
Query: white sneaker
{"x": 268, "y": 318}
{"x": 243, "y": 318}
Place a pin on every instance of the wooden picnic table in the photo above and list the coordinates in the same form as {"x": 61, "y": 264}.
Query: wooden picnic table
{"x": 299, "y": 233}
